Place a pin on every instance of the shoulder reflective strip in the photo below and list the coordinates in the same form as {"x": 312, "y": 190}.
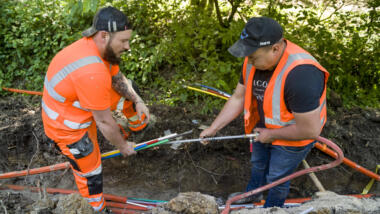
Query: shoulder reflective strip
{"x": 109, "y": 26}
{"x": 133, "y": 118}
{"x": 247, "y": 72}
{"x": 97, "y": 199}
{"x": 50, "y": 113}
{"x": 322, "y": 105}
{"x": 77, "y": 105}
{"x": 62, "y": 74}
{"x": 52, "y": 92}
{"x": 75, "y": 125}
{"x": 276, "y": 97}
{"x": 96, "y": 171}
{"x": 110, "y": 67}
{"x": 114, "y": 26}
{"x": 74, "y": 151}
{"x": 321, "y": 109}
{"x": 120, "y": 104}
{"x": 323, "y": 120}
{"x": 98, "y": 208}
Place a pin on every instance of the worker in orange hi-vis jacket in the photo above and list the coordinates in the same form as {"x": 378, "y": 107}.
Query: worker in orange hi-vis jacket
{"x": 282, "y": 93}
{"x": 82, "y": 85}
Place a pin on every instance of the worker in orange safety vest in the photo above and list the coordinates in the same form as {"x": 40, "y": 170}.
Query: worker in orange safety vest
{"x": 82, "y": 85}
{"x": 282, "y": 92}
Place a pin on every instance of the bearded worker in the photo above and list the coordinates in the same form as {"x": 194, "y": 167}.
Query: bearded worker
{"x": 82, "y": 85}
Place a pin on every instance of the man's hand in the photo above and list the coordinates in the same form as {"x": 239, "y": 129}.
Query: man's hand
{"x": 142, "y": 109}
{"x": 264, "y": 136}
{"x": 209, "y": 132}
{"x": 127, "y": 148}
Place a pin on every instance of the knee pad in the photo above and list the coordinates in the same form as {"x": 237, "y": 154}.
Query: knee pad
{"x": 81, "y": 148}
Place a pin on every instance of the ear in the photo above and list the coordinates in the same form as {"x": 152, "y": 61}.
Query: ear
{"x": 104, "y": 36}
{"x": 276, "y": 47}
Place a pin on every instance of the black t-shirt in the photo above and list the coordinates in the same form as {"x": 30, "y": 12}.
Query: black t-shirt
{"x": 303, "y": 88}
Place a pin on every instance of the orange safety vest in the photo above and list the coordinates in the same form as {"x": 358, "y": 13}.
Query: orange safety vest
{"x": 275, "y": 112}
{"x": 63, "y": 117}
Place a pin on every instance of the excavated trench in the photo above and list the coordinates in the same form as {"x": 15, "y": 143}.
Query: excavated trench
{"x": 162, "y": 172}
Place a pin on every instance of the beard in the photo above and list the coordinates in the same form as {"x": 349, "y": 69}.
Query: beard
{"x": 110, "y": 55}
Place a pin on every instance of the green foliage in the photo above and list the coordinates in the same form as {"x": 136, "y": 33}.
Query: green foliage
{"x": 178, "y": 43}
{"x": 31, "y": 33}
{"x": 176, "y": 46}
{"x": 346, "y": 43}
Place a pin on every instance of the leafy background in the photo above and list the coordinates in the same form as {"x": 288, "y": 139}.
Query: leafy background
{"x": 178, "y": 43}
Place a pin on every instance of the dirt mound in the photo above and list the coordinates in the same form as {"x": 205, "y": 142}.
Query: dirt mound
{"x": 162, "y": 173}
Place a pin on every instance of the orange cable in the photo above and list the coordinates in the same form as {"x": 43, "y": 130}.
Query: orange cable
{"x": 23, "y": 91}
{"x": 348, "y": 162}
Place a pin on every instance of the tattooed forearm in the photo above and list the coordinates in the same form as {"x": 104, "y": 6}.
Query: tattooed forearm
{"x": 124, "y": 87}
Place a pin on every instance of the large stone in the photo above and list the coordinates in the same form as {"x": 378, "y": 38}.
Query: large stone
{"x": 73, "y": 204}
{"x": 193, "y": 203}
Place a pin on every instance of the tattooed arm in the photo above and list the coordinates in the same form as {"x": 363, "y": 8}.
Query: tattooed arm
{"x": 123, "y": 86}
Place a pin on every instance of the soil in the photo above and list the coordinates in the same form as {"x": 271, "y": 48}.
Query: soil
{"x": 161, "y": 173}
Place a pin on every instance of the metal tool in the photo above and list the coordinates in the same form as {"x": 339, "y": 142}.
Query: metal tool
{"x": 250, "y": 136}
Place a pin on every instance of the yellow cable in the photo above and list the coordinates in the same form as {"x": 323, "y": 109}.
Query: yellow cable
{"x": 110, "y": 153}
{"x": 369, "y": 185}
{"x": 206, "y": 92}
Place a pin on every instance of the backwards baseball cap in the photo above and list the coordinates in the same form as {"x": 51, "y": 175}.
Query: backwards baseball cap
{"x": 257, "y": 33}
{"x": 108, "y": 19}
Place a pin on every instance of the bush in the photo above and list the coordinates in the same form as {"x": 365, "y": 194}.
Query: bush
{"x": 178, "y": 43}
{"x": 31, "y": 33}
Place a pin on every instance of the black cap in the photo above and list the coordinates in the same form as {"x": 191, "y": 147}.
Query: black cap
{"x": 108, "y": 19}
{"x": 257, "y": 33}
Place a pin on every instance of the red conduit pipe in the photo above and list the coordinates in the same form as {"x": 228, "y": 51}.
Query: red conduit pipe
{"x": 44, "y": 169}
{"x": 109, "y": 197}
{"x": 59, "y": 191}
{"x": 294, "y": 175}
{"x": 302, "y": 200}
{"x": 348, "y": 162}
{"x": 125, "y": 206}
{"x": 23, "y": 91}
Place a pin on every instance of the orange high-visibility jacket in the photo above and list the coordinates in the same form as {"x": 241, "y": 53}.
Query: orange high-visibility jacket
{"x": 275, "y": 111}
{"x": 78, "y": 79}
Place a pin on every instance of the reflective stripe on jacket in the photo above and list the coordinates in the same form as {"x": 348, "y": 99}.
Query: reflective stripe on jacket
{"x": 275, "y": 111}
{"x": 49, "y": 85}
{"x": 64, "y": 117}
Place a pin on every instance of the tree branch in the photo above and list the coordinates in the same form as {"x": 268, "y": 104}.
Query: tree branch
{"x": 218, "y": 14}
{"x": 235, "y": 5}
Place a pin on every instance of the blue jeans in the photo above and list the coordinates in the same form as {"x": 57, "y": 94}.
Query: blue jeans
{"x": 270, "y": 163}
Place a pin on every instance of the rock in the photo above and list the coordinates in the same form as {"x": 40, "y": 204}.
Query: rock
{"x": 43, "y": 206}
{"x": 73, "y": 204}
{"x": 192, "y": 203}
{"x": 324, "y": 203}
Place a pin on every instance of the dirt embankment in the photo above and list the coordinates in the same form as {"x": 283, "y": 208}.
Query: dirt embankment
{"x": 162, "y": 172}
